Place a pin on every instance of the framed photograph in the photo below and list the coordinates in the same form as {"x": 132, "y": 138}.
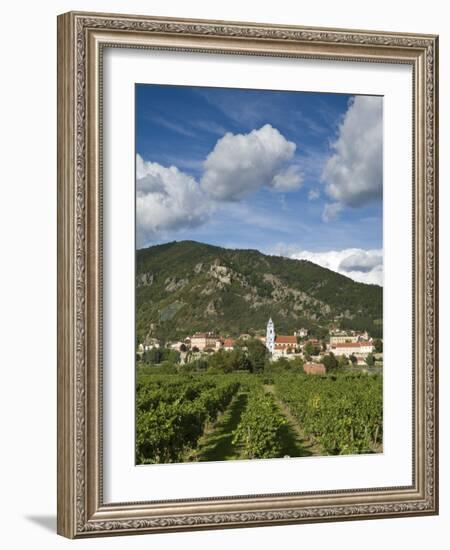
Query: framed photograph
{"x": 247, "y": 274}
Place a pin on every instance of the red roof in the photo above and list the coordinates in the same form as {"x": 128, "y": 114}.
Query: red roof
{"x": 228, "y": 342}
{"x": 286, "y": 340}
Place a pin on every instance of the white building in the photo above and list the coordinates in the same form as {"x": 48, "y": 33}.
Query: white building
{"x": 357, "y": 348}
{"x": 204, "y": 340}
{"x": 347, "y": 336}
{"x": 270, "y": 336}
{"x": 343, "y": 339}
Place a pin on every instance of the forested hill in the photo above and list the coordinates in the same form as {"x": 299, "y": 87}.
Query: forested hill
{"x": 187, "y": 286}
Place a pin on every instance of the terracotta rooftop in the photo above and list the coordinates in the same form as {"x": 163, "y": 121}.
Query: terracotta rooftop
{"x": 286, "y": 340}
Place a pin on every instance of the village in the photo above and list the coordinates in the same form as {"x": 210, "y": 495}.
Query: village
{"x": 356, "y": 348}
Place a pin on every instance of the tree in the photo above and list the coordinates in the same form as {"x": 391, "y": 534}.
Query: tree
{"x": 153, "y": 355}
{"x": 353, "y": 359}
{"x": 296, "y": 364}
{"x": 238, "y": 360}
{"x": 308, "y": 349}
{"x": 342, "y": 361}
{"x": 195, "y": 349}
{"x": 220, "y": 361}
{"x": 378, "y": 345}
{"x": 281, "y": 364}
{"x": 257, "y": 354}
{"x": 171, "y": 355}
{"x": 330, "y": 362}
{"x": 370, "y": 360}
{"x": 183, "y": 348}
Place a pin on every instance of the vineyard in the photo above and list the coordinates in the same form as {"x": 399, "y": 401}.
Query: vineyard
{"x": 202, "y": 416}
{"x": 343, "y": 414}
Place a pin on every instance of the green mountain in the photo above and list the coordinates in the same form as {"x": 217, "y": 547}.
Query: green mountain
{"x": 183, "y": 287}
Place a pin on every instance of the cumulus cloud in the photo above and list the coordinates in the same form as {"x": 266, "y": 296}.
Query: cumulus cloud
{"x": 288, "y": 179}
{"x": 361, "y": 260}
{"x": 240, "y": 164}
{"x": 353, "y": 175}
{"x": 166, "y": 200}
{"x": 313, "y": 194}
{"x": 363, "y": 266}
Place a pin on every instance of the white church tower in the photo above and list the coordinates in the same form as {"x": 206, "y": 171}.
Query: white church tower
{"x": 270, "y": 336}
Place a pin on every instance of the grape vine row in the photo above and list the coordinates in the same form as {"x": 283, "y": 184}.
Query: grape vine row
{"x": 344, "y": 414}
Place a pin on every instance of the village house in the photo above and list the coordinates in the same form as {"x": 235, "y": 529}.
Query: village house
{"x": 228, "y": 344}
{"x": 343, "y": 339}
{"x": 301, "y": 333}
{"x": 285, "y": 344}
{"x": 357, "y": 348}
{"x": 204, "y": 340}
{"x": 347, "y": 336}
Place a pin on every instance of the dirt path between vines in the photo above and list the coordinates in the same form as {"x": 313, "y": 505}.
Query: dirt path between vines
{"x": 217, "y": 442}
{"x": 311, "y": 448}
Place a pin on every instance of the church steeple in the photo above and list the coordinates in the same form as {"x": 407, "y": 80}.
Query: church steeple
{"x": 270, "y": 336}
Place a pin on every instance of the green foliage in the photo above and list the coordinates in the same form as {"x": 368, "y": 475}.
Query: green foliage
{"x": 284, "y": 365}
{"x": 159, "y": 355}
{"x": 370, "y": 360}
{"x": 311, "y": 349}
{"x": 172, "y": 412}
{"x": 378, "y": 345}
{"x": 343, "y": 413}
{"x": 330, "y": 362}
{"x": 257, "y": 354}
{"x": 258, "y": 431}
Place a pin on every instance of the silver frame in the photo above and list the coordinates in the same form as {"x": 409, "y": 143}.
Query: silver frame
{"x": 81, "y": 39}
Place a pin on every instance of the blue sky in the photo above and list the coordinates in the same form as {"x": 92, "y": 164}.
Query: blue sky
{"x": 291, "y": 173}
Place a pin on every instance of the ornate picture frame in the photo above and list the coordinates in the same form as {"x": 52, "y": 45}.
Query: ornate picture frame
{"x": 82, "y": 38}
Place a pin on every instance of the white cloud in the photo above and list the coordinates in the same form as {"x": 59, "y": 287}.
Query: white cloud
{"x": 313, "y": 194}
{"x": 361, "y": 260}
{"x": 331, "y": 211}
{"x": 363, "y": 266}
{"x": 353, "y": 175}
{"x": 166, "y": 199}
{"x": 288, "y": 179}
{"x": 240, "y": 164}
